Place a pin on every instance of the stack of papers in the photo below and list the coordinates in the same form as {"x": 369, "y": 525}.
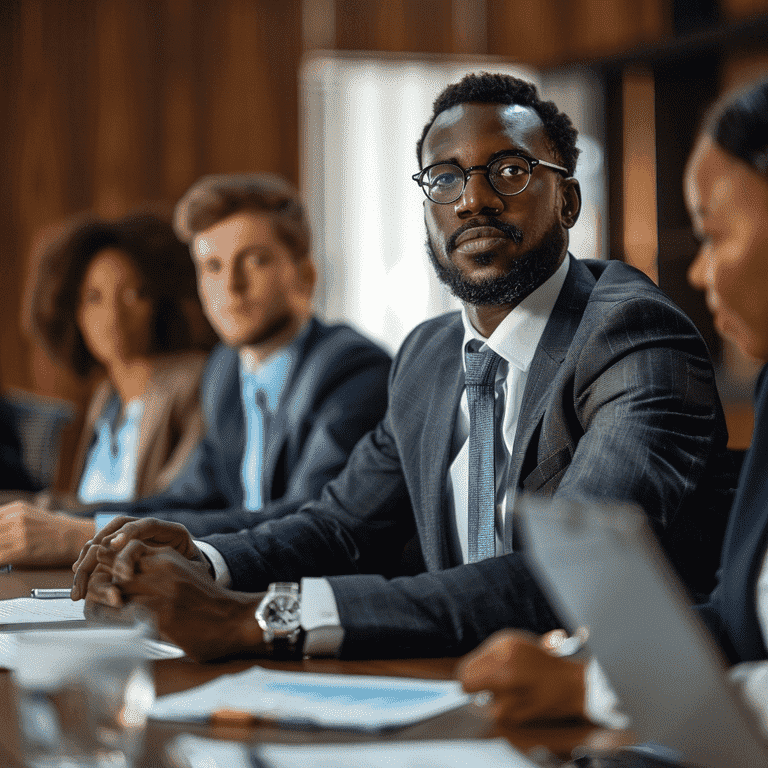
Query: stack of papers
{"x": 27, "y": 613}
{"x": 329, "y": 701}
{"x": 194, "y": 752}
{"x": 28, "y": 610}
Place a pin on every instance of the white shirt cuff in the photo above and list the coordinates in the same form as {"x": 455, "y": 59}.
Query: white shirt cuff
{"x": 320, "y": 618}
{"x": 602, "y": 704}
{"x": 222, "y": 576}
{"x": 751, "y": 678}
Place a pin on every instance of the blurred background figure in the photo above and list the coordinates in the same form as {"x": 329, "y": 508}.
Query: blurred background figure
{"x": 118, "y": 300}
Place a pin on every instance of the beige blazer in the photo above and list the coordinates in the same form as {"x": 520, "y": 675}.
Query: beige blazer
{"x": 171, "y": 426}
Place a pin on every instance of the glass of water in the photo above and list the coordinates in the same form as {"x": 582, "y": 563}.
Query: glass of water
{"x": 83, "y": 696}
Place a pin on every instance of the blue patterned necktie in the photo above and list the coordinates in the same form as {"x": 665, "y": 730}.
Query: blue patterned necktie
{"x": 480, "y": 382}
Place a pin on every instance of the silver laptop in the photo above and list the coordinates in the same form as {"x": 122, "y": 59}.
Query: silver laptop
{"x": 603, "y": 569}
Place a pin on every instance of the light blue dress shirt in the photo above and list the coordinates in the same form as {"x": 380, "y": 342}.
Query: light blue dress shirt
{"x": 262, "y": 385}
{"x": 111, "y": 465}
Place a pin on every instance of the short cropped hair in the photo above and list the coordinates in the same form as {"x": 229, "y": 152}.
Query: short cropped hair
{"x": 213, "y": 198}
{"x": 738, "y": 123}
{"x": 164, "y": 266}
{"x": 495, "y": 88}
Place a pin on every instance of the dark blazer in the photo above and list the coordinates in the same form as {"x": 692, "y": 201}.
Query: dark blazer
{"x": 336, "y": 393}
{"x": 620, "y": 403}
{"x": 730, "y": 612}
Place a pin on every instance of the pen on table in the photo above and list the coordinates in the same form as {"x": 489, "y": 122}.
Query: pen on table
{"x": 50, "y": 594}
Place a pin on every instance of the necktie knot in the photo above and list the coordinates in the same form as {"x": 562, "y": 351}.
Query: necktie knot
{"x": 481, "y": 368}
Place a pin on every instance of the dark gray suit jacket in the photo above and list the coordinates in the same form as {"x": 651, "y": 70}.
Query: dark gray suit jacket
{"x": 337, "y": 392}
{"x": 620, "y": 403}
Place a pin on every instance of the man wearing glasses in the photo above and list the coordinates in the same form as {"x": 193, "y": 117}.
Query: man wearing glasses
{"x": 557, "y": 377}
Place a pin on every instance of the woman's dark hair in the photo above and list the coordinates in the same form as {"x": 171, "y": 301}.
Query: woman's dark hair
{"x": 164, "y": 267}
{"x": 738, "y": 123}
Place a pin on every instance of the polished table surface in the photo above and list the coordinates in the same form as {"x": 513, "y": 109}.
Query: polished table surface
{"x": 468, "y": 722}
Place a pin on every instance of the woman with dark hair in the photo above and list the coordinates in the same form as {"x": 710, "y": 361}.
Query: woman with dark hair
{"x": 726, "y": 188}
{"x": 118, "y": 298}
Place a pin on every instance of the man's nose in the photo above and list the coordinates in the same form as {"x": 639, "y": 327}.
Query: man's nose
{"x": 478, "y": 197}
{"x": 236, "y": 281}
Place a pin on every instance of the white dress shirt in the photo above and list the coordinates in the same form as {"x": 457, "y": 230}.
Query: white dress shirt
{"x": 515, "y": 341}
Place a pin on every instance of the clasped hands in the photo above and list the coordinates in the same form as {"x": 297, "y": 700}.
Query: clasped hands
{"x": 156, "y": 565}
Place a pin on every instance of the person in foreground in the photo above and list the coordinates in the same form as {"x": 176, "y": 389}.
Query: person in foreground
{"x": 602, "y": 388}
{"x": 726, "y": 187}
{"x": 118, "y": 299}
{"x": 285, "y": 397}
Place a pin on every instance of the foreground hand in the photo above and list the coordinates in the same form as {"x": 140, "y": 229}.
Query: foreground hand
{"x": 121, "y": 536}
{"x": 31, "y": 536}
{"x": 526, "y": 681}
{"x": 189, "y": 609}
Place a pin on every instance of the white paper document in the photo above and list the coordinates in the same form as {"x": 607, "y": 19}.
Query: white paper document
{"x": 154, "y": 649}
{"x": 331, "y": 701}
{"x": 193, "y": 751}
{"x": 28, "y": 610}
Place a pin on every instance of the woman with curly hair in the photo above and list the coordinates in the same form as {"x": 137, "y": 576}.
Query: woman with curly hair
{"x": 118, "y": 298}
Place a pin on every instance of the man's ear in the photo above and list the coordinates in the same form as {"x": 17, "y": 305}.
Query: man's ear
{"x": 570, "y": 202}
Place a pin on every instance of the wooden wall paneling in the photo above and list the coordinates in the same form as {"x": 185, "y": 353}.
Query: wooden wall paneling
{"x": 740, "y": 9}
{"x": 530, "y": 31}
{"x": 11, "y": 352}
{"x": 126, "y": 144}
{"x": 601, "y": 27}
{"x": 639, "y": 202}
{"x": 423, "y": 26}
{"x": 286, "y": 49}
{"x": 242, "y": 120}
{"x": 181, "y": 79}
{"x": 684, "y": 87}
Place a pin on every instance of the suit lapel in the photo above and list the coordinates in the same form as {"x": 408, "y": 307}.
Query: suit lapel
{"x": 550, "y": 353}
{"x": 437, "y": 445}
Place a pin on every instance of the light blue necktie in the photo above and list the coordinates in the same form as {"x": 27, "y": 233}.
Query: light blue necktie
{"x": 480, "y": 381}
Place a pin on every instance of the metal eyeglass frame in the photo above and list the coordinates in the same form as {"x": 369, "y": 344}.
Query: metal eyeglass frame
{"x": 485, "y": 169}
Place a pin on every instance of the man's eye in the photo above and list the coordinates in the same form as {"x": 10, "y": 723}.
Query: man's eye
{"x": 510, "y": 170}
{"x": 445, "y": 179}
{"x": 258, "y": 258}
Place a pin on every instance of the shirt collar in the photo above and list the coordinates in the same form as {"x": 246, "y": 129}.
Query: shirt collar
{"x": 271, "y": 375}
{"x": 518, "y": 334}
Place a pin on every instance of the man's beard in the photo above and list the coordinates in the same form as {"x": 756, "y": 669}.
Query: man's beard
{"x": 525, "y": 275}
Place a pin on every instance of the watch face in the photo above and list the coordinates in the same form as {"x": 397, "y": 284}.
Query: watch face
{"x": 281, "y": 614}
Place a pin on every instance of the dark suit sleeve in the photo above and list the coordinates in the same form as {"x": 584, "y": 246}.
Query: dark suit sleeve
{"x": 653, "y": 432}
{"x": 348, "y": 398}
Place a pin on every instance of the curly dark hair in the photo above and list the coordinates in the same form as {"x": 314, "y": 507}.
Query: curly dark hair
{"x": 165, "y": 269}
{"x": 213, "y": 198}
{"x": 495, "y": 88}
{"x": 738, "y": 123}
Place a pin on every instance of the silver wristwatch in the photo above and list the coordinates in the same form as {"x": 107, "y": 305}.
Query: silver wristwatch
{"x": 279, "y": 616}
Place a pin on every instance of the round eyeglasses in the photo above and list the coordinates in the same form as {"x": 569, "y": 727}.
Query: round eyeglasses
{"x": 509, "y": 175}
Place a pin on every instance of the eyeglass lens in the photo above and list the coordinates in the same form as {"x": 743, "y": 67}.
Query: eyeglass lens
{"x": 444, "y": 183}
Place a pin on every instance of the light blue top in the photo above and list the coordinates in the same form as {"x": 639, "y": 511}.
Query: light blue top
{"x": 262, "y": 386}
{"x": 111, "y": 464}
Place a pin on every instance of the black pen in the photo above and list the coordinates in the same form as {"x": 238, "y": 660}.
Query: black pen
{"x": 49, "y": 594}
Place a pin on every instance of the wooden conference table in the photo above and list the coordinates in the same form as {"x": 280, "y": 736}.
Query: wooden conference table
{"x": 469, "y": 722}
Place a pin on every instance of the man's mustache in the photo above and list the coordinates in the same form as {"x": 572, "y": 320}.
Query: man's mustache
{"x": 514, "y": 233}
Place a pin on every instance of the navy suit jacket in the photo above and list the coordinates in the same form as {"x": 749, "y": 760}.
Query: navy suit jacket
{"x": 730, "y": 612}
{"x": 620, "y": 403}
{"x": 337, "y": 392}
